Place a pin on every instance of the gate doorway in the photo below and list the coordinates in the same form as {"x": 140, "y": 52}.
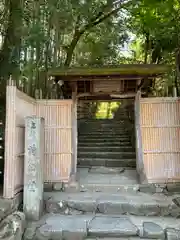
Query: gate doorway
{"x": 106, "y": 143}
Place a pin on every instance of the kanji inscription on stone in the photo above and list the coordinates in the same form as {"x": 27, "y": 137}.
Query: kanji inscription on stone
{"x": 33, "y": 167}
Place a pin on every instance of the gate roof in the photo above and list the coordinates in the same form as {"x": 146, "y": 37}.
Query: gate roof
{"x": 123, "y": 71}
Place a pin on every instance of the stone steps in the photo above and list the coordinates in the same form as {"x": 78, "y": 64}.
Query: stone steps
{"x": 106, "y": 180}
{"x": 88, "y": 161}
{"x": 106, "y": 148}
{"x": 56, "y": 226}
{"x": 107, "y": 155}
{"x": 110, "y": 122}
{"x": 97, "y": 126}
{"x": 101, "y": 140}
{"x": 122, "y": 129}
{"x": 103, "y": 137}
{"x": 103, "y": 121}
{"x": 105, "y": 140}
{"x": 100, "y": 127}
{"x": 120, "y": 203}
{"x": 103, "y": 131}
{"x": 105, "y": 144}
{"x": 110, "y": 188}
{"x": 107, "y": 162}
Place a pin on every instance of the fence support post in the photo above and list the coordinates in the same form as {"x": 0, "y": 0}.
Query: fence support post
{"x": 139, "y": 147}
{"x": 33, "y": 167}
{"x": 10, "y": 141}
{"x": 74, "y": 132}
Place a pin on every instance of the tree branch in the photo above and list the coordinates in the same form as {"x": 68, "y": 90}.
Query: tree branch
{"x": 100, "y": 17}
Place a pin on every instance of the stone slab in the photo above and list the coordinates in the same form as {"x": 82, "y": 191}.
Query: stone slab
{"x": 113, "y": 227}
{"x": 128, "y": 204}
{"x": 58, "y": 227}
{"x": 172, "y": 234}
{"x": 153, "y": 230}
{"x": 124, "y": 178}
{"x": 106, "y": 170}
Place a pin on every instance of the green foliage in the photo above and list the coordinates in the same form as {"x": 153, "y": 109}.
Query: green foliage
{"x": 49, "y": 27}
{"x": 106, "y": 110}
{"x": 156, "y": 25}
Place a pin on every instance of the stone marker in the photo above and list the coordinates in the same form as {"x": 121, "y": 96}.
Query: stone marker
{"x": 33, "y": 167}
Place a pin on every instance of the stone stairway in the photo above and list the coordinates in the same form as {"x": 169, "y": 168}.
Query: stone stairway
{"x": 105, "y": 143}
{"x": 107, "y": 202}
{"x": 96, "y": 212}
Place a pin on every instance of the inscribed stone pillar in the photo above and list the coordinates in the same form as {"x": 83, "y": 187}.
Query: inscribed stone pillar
{"x": 33, "y": 167}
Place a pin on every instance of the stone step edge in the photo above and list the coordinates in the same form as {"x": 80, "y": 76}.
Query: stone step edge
{"x": 105, "y": 143}
{"x": 110, "y": 133}
{"x": 121, "y": 238}
{"x": 104, "y": 153}
{"x": 100, "y": 142}
{"x": 151, "y": 188}
{"x": 120, "y": 203}
{"x": 104, "y": 136}
{"x": 92, "y": 159}
{"x": 112, "y": 147}
{"x": 54, "y": 226}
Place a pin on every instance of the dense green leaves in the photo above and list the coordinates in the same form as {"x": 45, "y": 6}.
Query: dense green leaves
{"x": 87, "y": 32}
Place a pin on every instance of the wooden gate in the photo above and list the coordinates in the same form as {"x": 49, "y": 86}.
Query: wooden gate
{"x": 58, "y": 131}
{"x": 160, "y": 132}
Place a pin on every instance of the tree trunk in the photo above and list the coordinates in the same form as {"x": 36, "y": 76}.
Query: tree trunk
{"x": 72, "y": 46}
{"x": 177, "y": 79}
{"x": 10, "y": 53}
